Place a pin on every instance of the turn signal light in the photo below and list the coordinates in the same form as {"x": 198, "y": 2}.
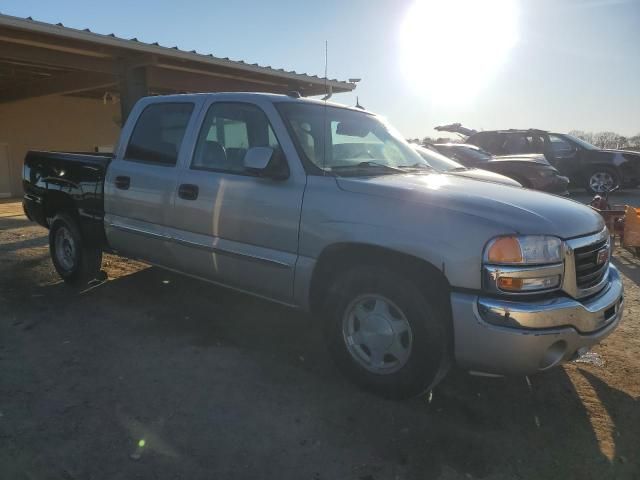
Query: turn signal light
{"x": 509, "y": 283}
{"x": 515, "y": 284}
{"x": 505, "y": 250}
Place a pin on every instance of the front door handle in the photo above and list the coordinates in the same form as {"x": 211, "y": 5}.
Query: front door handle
{"x": 123, "y": 183}
{"x": 186, "y": 191}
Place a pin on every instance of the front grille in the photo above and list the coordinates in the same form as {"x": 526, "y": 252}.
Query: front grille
{"x": 588, "y": 272}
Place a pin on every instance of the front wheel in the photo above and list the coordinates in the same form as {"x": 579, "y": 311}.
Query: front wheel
{"x": 76, "y": 262}
{"x": 385, "y": 334}
{"x": 601, "y": 180}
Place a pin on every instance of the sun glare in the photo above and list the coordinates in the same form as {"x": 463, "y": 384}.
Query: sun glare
{"x": 450, "y": 49}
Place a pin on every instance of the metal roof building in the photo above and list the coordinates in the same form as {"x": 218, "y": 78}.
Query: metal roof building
{"x": 64, "y": 88}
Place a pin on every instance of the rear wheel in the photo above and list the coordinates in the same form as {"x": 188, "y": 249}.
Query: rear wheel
{"x": 385, "y": 334}
{"x": 76, "y": 262}
{"x": 601, "y": 180}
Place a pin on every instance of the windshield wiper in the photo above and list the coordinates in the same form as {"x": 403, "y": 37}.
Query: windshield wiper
{"x": 366, "y": 164}
{"x": 417, "y": 166}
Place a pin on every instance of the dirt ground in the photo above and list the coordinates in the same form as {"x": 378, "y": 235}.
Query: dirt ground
{"x": 152, "y": 375}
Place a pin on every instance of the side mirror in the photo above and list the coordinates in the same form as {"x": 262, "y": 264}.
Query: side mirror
{"x": 265, "y": 162}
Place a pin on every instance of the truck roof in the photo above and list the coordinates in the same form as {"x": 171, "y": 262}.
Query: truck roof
{"x": 239, "y": 96}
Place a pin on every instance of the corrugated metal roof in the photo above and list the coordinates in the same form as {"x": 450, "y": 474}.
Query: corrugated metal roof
{"x": 134, "y": 44}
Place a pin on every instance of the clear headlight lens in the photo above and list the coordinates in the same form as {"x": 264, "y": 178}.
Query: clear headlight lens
{"x": 523, "y": 263}
{"x": 524, "y": 250}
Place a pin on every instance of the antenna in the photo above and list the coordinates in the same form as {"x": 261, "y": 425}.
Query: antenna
{"x": 326, "y": 63}
{"x": 328, "y": 90}
{"x": 326, "y": 97}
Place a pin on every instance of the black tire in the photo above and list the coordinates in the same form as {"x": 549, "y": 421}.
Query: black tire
{"x": 81, "y": 263}
{"x": 429, "y": 319}
{"x": 601, "y": 171}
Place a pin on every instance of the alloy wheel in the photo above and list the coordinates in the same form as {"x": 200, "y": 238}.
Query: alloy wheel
{"x": 65, "y": 248}
{"x": 377, "y": 334}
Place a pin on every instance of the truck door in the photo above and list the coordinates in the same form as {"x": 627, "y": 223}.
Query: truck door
{"x": 142, "y": 178}
{"x": 230, "y": 226}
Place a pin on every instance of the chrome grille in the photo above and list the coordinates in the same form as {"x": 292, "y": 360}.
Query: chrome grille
{"x": 588, "y": 271}
{"x": 582, "y": 275}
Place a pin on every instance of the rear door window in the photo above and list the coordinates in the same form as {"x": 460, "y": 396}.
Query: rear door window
{"x": 560, "y": 147}
{"x": 158, "y": 134}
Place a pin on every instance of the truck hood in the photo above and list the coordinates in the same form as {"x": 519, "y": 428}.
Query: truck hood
{"x": 514, "y": 209}
{"x": 485, "y": 175}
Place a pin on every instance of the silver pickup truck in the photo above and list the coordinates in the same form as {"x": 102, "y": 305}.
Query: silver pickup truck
{"x": 327, "y": 209}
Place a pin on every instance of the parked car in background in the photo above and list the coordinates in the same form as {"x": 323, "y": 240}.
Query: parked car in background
{"x": 531, "y": 171}
{"x": 446, "y": 165}
{"x": 595, "y": 169}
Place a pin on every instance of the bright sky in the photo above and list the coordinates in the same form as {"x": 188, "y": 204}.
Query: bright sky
{"x": 553, "y": 64}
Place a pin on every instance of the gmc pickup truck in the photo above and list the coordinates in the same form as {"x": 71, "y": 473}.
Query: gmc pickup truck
{"x": 327, "y": 209}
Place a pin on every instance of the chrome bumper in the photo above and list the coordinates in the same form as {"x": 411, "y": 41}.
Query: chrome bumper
{"x": 516, "y": 337}
{"x": 586, "y": 317}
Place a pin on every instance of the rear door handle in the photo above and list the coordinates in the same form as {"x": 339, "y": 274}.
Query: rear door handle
{"x": 123, "y": 183}
{"x": 186, "y": 191}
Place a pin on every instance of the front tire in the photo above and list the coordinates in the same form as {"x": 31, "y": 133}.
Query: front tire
{"x": 76, "y": 262}
{"x": 601, "y": 180}
{"x": 385, "y": 334}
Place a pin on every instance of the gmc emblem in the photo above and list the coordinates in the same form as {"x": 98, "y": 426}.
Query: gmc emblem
{"x": 603, "y": 256}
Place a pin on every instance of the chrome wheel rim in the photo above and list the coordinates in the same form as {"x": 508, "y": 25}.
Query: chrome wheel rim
{"x": 65, "y": 248}
{"x": 601, "y": 182}
{"x": 377, "y": 334}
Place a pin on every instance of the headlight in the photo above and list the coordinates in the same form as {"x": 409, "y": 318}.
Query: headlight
{"x": 523, "y": 264}
{"x": 523, "y": 250}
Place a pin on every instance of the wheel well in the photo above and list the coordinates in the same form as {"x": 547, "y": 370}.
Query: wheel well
{"x": 341, "y": 257}
{"x": 56, "y": 202}
{"x": 602, "y": 167}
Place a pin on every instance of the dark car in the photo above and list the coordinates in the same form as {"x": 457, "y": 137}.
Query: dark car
{"x": 531, "y": 171}
{"x": 446, "y": 165}
{"x": 595, "y": 169}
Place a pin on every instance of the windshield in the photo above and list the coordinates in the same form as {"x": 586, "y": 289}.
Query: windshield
{"x": 438, "y": 161}
{"x": 469, "y": 153}
{"x": 581, "y": 142}
{"x": 348, "y": 142}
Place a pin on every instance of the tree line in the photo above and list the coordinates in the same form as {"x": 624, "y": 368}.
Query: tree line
{"x": 599, "y": 139}
{"x": 608, "y": 139}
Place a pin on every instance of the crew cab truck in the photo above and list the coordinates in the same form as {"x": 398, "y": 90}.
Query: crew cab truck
{"x": 327, "y": 209}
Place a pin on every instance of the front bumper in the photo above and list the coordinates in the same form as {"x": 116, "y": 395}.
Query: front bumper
{"x": 520, "y": 338}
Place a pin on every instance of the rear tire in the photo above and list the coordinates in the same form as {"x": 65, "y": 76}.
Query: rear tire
{"x": 601, "y": 178}
{"x": 385, "y": 334}
{"x": 76, "y": 262}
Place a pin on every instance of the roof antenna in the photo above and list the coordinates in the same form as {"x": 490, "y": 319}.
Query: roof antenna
{"x": 326, "y": 97}
{"x": 328, "y": 90}
{"x": 358, "y": 103}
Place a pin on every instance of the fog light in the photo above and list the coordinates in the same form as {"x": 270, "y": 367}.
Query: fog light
{"x": 516, "y": 284}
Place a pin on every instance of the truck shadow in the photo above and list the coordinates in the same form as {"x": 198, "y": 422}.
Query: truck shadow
{"x": 627, "y": 263}
{"x": 267, "y": 373}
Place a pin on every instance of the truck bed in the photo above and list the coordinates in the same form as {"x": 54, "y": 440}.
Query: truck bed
{"x": 52, "y": 179}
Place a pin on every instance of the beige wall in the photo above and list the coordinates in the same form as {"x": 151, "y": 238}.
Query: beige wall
{"x": 55, "y": 123}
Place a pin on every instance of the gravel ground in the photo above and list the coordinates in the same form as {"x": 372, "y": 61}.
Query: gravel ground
{"x": 152, "y": 375}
